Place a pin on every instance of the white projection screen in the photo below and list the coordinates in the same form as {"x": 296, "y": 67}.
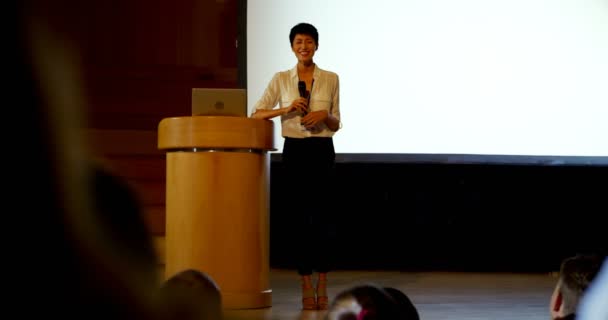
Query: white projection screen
{"x": 453, "y": 77}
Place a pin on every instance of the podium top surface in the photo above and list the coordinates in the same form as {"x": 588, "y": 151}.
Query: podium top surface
{"x": 215, "y": 132}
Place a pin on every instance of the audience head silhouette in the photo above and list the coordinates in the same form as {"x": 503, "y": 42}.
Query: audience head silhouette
{"x": 575, "y": 276}
{"x": 192, "y": 295}
{"x": 372, "y": 302}
{"x": 79, "y": 227}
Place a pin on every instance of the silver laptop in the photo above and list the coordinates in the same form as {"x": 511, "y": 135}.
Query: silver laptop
{"x": 219, "y": 102}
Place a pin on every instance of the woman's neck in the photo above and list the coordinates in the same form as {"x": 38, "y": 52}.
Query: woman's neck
{"x": 306, "y": 67}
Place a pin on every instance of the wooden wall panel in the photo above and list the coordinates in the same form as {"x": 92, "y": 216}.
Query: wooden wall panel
{"x": 133, "y": 156}
{"x": 151, "y": 193}
{"x": 155, "y": 220}
{"x": 138, "y": 168}
{"x": 138, "y": 98}
{"x": 120, "y": 143}
{"x": 140, "y": 60}
{"x": 190, "y": 33}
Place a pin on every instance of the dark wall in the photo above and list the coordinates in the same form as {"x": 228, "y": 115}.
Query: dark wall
{"x": 413, "y": 216}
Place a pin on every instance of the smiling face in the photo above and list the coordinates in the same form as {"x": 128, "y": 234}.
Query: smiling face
{"x": 304, "y": 47}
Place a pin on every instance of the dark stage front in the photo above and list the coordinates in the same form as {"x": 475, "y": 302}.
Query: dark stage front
{"x": 414, "y": 212}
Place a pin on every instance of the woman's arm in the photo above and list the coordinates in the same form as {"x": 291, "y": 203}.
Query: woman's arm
{"x": 333, "y": 116}
{"x": 269, "y": 99}
{"x": 299, "y": 104}
{"x": 332, "y": 122}
{"x": 268, "y": 114}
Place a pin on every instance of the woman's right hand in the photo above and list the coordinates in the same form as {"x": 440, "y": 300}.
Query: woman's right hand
{"x": 299, "y": 104}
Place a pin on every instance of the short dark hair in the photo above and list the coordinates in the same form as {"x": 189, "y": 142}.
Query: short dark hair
{"x": 578, "y": 271}
{"x": 304, "y": 28}
{"x": 379, "y": 303}
{"x": 191, "y": 294}
{"x": 404, "y": 303}
{"x": 576, "y": 274}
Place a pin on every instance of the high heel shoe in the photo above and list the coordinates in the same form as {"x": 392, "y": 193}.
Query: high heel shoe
{"x": 322, "y": 298}
{"x": 308, "y": 299}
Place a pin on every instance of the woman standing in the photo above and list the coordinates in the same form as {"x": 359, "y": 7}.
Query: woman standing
{"x": 308, "y": 100}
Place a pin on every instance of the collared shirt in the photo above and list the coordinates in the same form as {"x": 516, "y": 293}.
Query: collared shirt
{"x": 283, "y": 90}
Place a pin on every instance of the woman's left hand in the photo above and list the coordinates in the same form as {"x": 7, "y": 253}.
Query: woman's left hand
{"x": 313, "y": 118}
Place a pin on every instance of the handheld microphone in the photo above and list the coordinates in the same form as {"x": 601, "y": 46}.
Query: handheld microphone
{"x": 302, "y": 90}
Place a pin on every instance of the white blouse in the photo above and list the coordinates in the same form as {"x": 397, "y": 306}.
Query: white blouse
{"x": 283, "y": 89}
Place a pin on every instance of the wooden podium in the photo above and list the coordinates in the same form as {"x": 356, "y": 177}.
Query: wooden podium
{"x": 217, "y": 203}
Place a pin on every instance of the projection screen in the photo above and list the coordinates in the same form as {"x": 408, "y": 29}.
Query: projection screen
{"x": 445, "y": 77}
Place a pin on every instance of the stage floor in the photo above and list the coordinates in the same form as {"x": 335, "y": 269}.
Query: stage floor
{"x": 437, "y": 295}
